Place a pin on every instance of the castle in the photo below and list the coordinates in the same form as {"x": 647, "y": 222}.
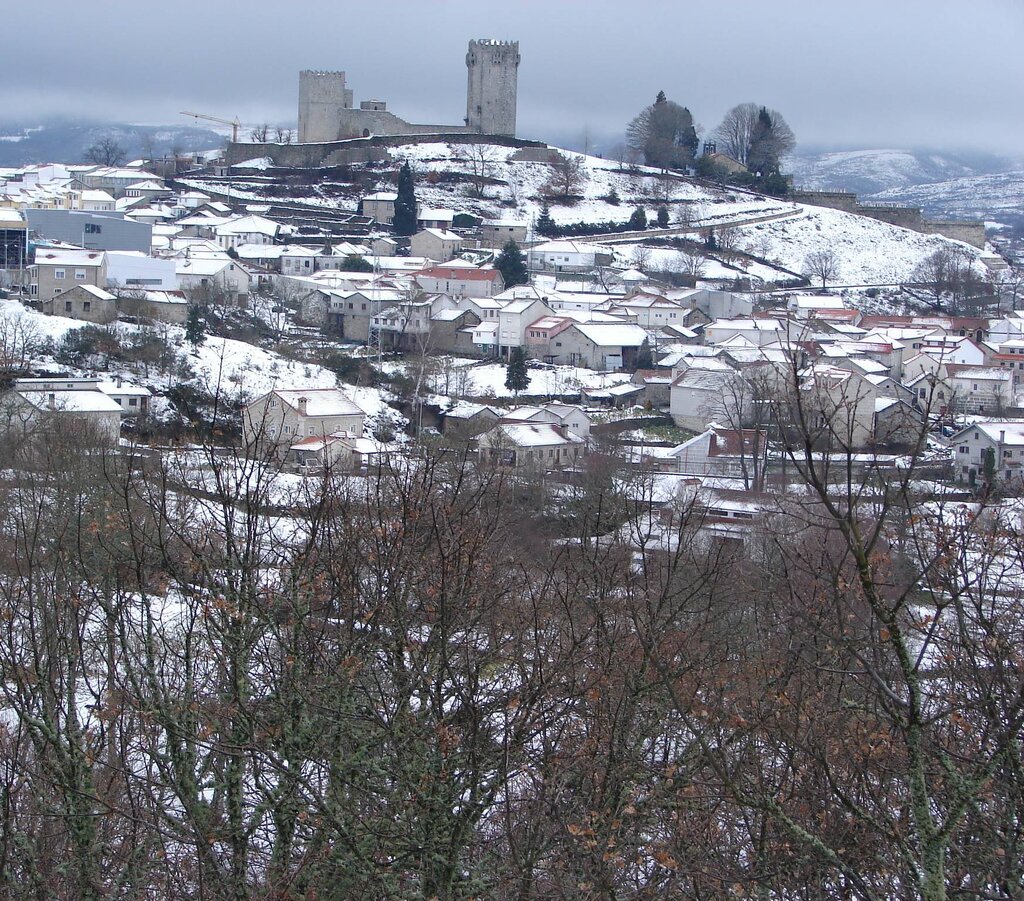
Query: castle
{"x": 326, "y": 111}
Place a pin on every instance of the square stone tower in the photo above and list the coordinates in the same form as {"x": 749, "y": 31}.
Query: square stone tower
{"x": 322, "y": 97}
{"x": 491, "y": 91}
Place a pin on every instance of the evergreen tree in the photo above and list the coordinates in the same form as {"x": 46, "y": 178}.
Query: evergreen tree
{"x": 663, "y": 216}
{"x": 511, "y": 265}
{"x": 405, "y": 204}
{"x": 545, "y": 224}
{"x": 613, "y": 197}
{"x": 644, "y": 357}
{"x": 517, "y": 376}
{"x": 195, "y": 326}
{"x": 638, "y": 221}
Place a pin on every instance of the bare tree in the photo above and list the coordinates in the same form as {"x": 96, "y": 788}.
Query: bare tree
{"x": 106, "y": 151}
{"x": 822, "y": 264}
{"x": 260, "y": 133}
{"x": 738, "y": 132}
{"x": 282, "y": 135}
{"x": 691, "y": 263}
{"x": 568, "y": 175}
{"x": 480, "y": 159}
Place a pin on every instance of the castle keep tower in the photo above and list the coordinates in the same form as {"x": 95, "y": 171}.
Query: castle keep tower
{"x": 321, "y": 96}
{"x": 491, "y": 92}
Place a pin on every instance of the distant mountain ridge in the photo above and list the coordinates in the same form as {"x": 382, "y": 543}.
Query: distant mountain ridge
{"x": 67, "y": 142}
{"x": 871, "y": 171}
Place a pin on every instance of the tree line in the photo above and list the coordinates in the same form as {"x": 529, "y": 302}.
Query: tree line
{"x": 438, "y": 682}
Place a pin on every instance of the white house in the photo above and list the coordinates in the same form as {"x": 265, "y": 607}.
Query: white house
{"x": 1002, "y": 443}
{"x": 460, "y": 281}
{"x": 513, "y": 321}
{"x": 249, "y": 230}
{"x": 134, "y": 269}
{"x": 568, "y": 256}
{"x": 574, "y": 418}
{"x": 26, "y": 409}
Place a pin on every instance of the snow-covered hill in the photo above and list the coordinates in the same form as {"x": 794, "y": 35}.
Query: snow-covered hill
{"x": 871, "y": 171}
{"x": 995, "y": 198}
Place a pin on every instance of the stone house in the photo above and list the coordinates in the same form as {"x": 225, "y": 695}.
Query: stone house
{"x": 84, "y": 302}
{"x": 604, "y": 346}
{"x": 281, "y": 417}
{"x": 451, "y": 331}
{"x": 496, "y": 233}
{"x": 435, "y": 244}
{"x": 529, "y": 445}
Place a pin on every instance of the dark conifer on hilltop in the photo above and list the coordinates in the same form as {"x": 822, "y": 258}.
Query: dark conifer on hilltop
{"x": 405, "y": 204}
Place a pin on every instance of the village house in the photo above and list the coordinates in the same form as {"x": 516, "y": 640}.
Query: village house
{"x": 92, "y": 415}
{"x": 460, "y": 281}
{"x": 573, "y": 418}
{"x": 514, "y": 320}
{"x": 440, "y": 219}
{"x": 724, "y": 452}
{"x": 281, "y": 417}
{"x": 496, "y": 233}
{"x": 212, "y": 275}
{"x": 435, "y": 244}
{"x": 249, "y": 230}
{"x": 604, "y": 346}
{"x": 529, "y": 445}
{"x": 84, "y": 302}
{"x": 379, "y": 206}
{"x": 700, "y": 392}
{"x": 568, "y": 256}
{"x": 133, "y": 400}
{"x": 57, "y": 269}
{"x": 989, "y": 449}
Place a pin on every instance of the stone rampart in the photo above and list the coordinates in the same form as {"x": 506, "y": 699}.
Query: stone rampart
{"x": 359, "y": 150}
{"x": 972, "y": 233}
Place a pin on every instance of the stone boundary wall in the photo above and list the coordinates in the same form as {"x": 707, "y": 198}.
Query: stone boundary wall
{"x": 359, "y": 150}
{"x": 968, "y": 231}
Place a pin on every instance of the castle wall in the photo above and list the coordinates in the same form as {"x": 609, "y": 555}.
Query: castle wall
{"x": 492, "y": 84}
{"x": 903, "y": 216}
{"x": 362, "y": 150}
{"x": 834, "y": 200}
{"x": 972, "y": 233}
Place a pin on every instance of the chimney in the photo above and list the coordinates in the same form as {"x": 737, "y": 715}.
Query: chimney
{"x": 118, "y": 381}
{"x": 302, "y": 405}
{"x": 1002, "y": 435}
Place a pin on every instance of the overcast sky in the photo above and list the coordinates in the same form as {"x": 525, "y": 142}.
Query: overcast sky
{"x": 844, "y": 73}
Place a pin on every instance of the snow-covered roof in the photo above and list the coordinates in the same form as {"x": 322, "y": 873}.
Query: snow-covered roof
{"x": 98, "y": 293}
{"x": 382, "y": 196}
{"x": 612, "y": 334}
{"x": 319, "y": 401}
{"x": 1008, "y": 433}
{"x": 440, "y": 234}
{"x": 534, "y": 434}
{"x": 249, "y": 225}
{"x": 54, "y": 256}
{"x": 72, "y": 401}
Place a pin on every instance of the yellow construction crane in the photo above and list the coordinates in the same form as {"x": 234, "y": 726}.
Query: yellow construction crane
{"x": 234, "y": 123}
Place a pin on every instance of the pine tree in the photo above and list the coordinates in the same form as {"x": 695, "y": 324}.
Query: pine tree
{"x": 663, "y": 216}
{"x": 195, "y": 327}
{"x": 517, "y": 376}
{"x": 644, "y": 357}
{"x": 404, "y": 221}
{"x": 545, "y": 224}
{"x": 613, "y": 197}
{"x": 511, "y": 265}
{"x": 638, "y": 221}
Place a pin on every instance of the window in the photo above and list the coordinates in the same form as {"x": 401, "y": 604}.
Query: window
{"x": 79, "y": 275}
{"x": 67, "y": 306}
{"x": 133, "y": 401}
{"x": 963, "y": 449}
{"x": 1007, "y": 454}
{"x": 86, "y": 306}
{"x": 58, "y": 274}
{"x": 91, "y": 228}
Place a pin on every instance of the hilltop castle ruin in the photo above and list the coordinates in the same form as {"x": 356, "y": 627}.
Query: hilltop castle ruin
{"x": 326, "y": 111}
